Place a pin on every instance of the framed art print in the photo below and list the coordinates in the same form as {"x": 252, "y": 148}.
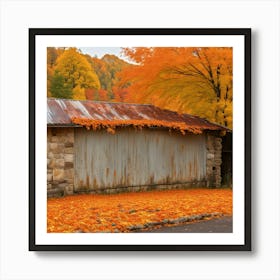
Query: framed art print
{"x": 140, "y": 139}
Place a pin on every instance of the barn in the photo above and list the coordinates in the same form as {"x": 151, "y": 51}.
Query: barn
{"x": 103, "y": 147}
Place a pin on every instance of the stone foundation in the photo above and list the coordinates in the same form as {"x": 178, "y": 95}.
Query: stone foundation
{"x": 60, "y": 162}
{"x": 144, "y": 188}
{"x": 213, "y": 160}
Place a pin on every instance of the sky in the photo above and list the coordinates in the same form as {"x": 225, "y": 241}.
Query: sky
{"x": 100, "y": 51}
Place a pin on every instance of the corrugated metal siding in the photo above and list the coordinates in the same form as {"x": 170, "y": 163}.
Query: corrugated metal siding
{"x": 136, "y": 158}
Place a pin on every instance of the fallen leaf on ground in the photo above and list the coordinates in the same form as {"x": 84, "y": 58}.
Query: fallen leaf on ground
{"x": 119, "y": 212}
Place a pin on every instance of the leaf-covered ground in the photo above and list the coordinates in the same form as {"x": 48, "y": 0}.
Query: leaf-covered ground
{"x": 128, "y": 211}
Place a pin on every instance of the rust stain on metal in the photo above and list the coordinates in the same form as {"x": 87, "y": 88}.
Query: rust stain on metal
{"x": 195, "y": 168}
{"x": 81, "y": 183}
{"x": 60, "y": 112}
{"x": 94, "y": 182}
{"x": 152, "y": 181}
{"x": 138, "y": 159}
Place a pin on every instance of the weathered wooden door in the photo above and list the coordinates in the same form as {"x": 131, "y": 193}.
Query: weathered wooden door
{"x": 137, "y": 158}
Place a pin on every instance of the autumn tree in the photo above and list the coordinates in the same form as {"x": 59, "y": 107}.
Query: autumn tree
{"x": 76, "y": 72}
{"x": 52, "y": 55}
{"x": 88, "y": 77}
{"x": 120, "y": 93}
{"x": 59, "y": 88}
{"x": 107, "y": 68}
{"x": 188, "y": 80}
{"x": 51, "y": 59}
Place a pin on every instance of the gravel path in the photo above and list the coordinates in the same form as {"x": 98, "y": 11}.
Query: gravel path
{"x": 218, "y": 225}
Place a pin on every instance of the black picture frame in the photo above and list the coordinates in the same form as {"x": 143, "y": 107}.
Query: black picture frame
{"x": 34, "y": 33}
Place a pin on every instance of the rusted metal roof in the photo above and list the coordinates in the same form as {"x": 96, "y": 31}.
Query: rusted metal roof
{"x": 60, "y": 112}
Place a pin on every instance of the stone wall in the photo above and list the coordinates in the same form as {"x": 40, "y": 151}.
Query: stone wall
{"x": 60, "y": 161}
{"x": 213, "y": 160}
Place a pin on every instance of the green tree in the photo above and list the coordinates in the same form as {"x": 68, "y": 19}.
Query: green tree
{"x": 59, "y": 88}
{"x": 52, "y": 55}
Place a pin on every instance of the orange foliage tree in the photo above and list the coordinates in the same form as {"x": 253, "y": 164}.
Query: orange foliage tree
{"x": 188, "y": 80}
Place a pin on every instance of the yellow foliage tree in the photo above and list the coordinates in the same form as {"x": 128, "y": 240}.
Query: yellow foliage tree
{"x": 79, "y": 93}
{"x": 77, "y": 72}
